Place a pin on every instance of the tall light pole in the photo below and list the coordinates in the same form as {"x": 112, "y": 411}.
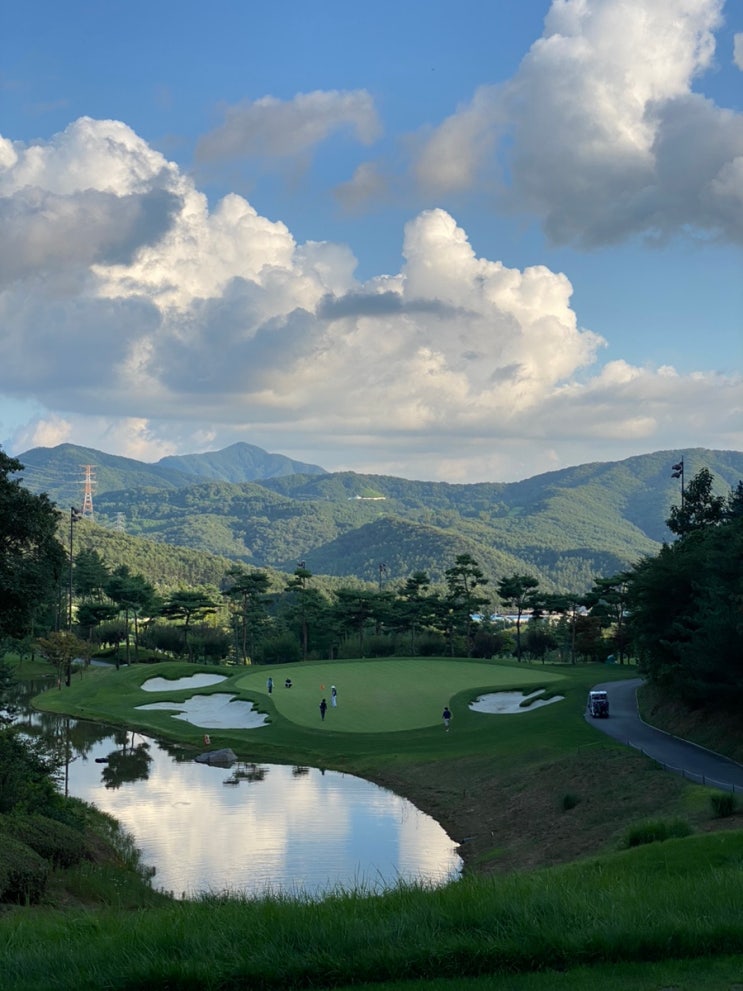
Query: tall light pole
{"x": 382, "y": 574}
{"x": 75, "y": 515}
{"x": 677, "y": 471}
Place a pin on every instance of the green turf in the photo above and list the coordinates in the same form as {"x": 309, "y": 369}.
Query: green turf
{"x": 387, "y": 696}
{"x": 388, "y": 710}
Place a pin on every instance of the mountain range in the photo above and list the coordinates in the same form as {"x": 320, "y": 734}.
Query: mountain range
{"x": 565, "y": 527}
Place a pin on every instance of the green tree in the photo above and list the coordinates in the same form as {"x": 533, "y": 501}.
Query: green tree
{"x": 189, "y": 605}
{"x": 734, "y": 506}
{"x": 412, "y": 607}
{"x": 699, "y": 507}
{"x": 90, "y": 575}
{"x": 686, "y": 615}
{"x": 132, "y": 595}
{"x": 247, "y": 592}
{"x": 565, "y": 607}
{"x": 91, "y": 614}
{"x": 8, "y": 708}
{"x": 32, "y": 560}
{"x": 356, "y": 608}
{"x": 299, "y": 588}
{"x": 607, "y": 600}
{"x": 463, "y": 581}
{"x": 61, "y": 649}
{"x": 518, "y": 592}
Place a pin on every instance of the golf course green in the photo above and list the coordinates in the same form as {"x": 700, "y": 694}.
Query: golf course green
{"x": 383, "y": 696}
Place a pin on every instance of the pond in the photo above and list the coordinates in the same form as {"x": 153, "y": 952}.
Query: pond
{"x": 250, "y": 827}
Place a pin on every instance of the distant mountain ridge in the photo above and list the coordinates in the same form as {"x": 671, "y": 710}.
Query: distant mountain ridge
{"x": 566, "y": 527}
{"x": 58, "y": 471}
{"x": 238, "y": 463}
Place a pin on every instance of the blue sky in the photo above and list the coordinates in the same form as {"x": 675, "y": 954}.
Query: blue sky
{"x": 465, "y": 241}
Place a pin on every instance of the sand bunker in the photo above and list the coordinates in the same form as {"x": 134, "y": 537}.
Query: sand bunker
{"x": 191, "y": 681}
{"x": 214, "y": 712}
{"x": 510, "y": 702}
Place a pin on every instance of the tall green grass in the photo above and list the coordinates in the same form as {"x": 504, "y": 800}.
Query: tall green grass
{"x": 680, "y": 899}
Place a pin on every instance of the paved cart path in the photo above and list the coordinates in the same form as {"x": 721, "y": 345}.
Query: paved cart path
{"x": 680, "y": 756}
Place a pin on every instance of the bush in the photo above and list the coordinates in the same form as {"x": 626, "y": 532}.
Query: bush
{"x": 284, "y": 649}
{"x": 569, "y": 801}
{"x": 55, "y": 841}
{"x": 431, "y": 645}
{"x": 25, "y": 773}
{"x": 655, "y": 831}
{"x": 724, "y": 804}
{"x": 23, "y": 873}
{"x": 379, "y": 646}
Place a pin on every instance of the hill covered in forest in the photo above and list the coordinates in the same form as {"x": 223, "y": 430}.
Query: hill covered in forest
{"x": 566, "y": 527}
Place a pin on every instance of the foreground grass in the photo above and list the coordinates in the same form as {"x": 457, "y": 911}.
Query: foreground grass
{"x": 679, "y": 900}
{"x": 706, "y": 974}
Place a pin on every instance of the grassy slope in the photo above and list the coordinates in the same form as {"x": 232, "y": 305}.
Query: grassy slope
{"x": 496, "y": 783}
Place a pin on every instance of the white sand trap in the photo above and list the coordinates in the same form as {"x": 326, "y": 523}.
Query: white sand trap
{"x": 502, "y": 703}
{"x": 191, "y": 681}
{"x": 214, "y": 712}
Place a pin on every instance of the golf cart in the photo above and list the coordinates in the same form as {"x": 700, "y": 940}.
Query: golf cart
{"x": 598, "y": 705}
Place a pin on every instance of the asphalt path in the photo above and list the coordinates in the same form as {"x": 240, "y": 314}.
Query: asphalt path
{"x": 680, "y": 756}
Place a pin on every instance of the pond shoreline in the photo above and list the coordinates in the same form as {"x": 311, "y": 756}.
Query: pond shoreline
{"x": 500, "y": 797}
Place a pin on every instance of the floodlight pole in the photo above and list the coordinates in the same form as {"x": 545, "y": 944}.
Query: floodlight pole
{"x": 677, "y": 471}
{"x": 382, "y": 574}
{"x": 75, "y": 515}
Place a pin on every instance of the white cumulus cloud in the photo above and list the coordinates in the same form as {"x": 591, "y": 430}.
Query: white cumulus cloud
{"x": 202, "y": 325}
{"x": 273, "y": 128}
{"x": 607, "y": 137}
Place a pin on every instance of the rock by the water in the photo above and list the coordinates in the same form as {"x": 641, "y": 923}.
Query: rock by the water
{"x": 225, "y": 758}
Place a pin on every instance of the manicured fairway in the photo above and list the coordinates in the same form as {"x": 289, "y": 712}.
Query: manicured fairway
{"x": 384, "y": 696}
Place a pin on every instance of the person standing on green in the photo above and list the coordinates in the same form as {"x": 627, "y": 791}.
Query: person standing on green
{"x": 323, "y": 709}
{"x": 446, "y": 716}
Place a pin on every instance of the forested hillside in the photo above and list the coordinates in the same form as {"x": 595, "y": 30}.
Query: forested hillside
{"x": 565, "y": 527}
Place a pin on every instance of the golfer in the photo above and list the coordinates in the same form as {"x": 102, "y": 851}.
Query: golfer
{"x": 446, "y": 716}
{"x": 323, "y": 709}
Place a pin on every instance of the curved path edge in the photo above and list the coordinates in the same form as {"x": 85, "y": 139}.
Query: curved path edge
{"x": 679, "y": 756}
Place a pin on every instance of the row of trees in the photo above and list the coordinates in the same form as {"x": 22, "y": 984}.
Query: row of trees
{"x": 679, "y": 613}
{"x": 686, "y": 604}
{"x": 252, "y": 618}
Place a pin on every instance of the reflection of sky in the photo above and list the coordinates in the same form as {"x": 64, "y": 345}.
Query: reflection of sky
{"x": 305, "y": 834}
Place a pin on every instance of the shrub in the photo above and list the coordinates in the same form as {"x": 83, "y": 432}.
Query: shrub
{"x": 25, "y": 773}
{"x": 724, "y": 803}
{"x": 431, "y": 645}
{"x": 569, "y": 801}
{"x": 283, "y": 649}
{"x": 655, "y": 831}
{"x": 55, "y": 841}
{"x": 380, "y": 646}
{"x": 23, "y": 873}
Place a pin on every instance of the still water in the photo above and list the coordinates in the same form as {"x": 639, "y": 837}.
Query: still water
{"x": 251, "y": 828}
